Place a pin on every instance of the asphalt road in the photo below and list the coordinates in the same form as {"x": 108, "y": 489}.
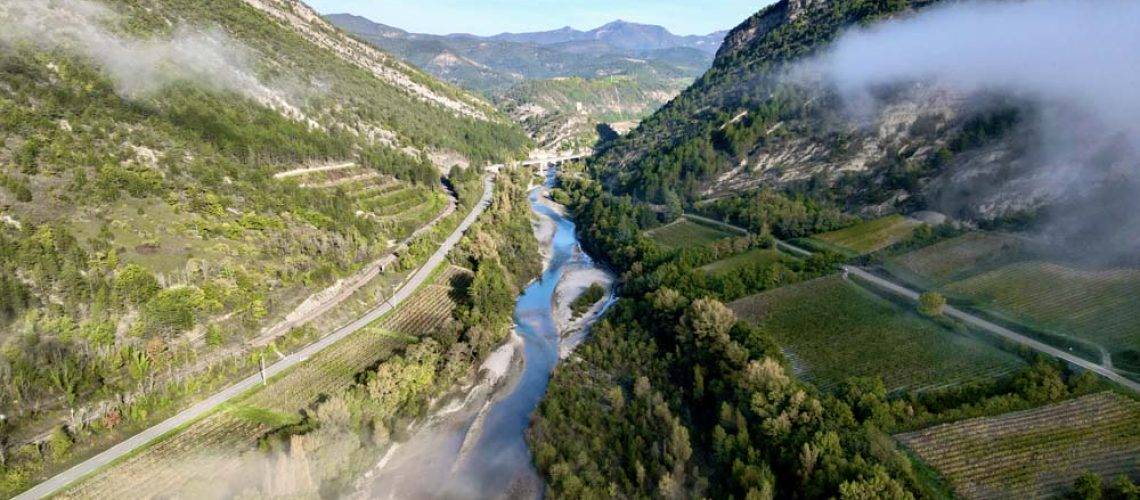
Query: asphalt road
{"x": 960, "y": 315}
{"x": 188, "y": 415}
{"x": 998, "y": 330}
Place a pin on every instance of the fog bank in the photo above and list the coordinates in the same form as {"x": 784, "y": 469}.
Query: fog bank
{"x": 1076, "y": 61}
{"x": 138, "y": 67}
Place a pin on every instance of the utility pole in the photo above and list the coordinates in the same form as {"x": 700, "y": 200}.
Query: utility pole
{"x": 261, "y": 362}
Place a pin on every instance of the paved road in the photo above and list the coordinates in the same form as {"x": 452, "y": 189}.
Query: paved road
{"x": 129, "y": 445}
{"x": 998, "y": 330}
{"x": 1105, "y": 370}
{"x": 782, "y": 245}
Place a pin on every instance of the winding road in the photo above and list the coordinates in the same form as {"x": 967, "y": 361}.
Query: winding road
{"x": 93, "y": 464}
{"x": 958, "y": 314}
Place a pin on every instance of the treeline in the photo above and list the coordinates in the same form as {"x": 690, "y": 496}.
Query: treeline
{"x": 673, "y": 397}
{"x": 788, "y": 216}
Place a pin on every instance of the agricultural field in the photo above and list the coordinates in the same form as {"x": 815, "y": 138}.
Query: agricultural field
{"x": 1099, "y": 306}
{"x": 400, "y": 207}
{"x": 955, "y": 258}
{"x": 835, "y": 330}
{"x": 684, "y": 233}
{"x": 225, "y": 440}
{"x": 867, "y": 237}
{"x": 1035, "y": 453}
{"x": 756, "y": 256}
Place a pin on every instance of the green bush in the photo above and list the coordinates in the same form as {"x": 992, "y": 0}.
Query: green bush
{"x": 587, "y": 300}
{"x": 931, "y": 304}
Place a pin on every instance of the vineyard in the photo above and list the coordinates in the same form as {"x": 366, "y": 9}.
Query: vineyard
{"x": 685, "y": 233}
{"x": 399, "y": 206}
{"x": 223, "y": 440}
{"x": 869, "y": 236}
{"x": 1034, "y": 453}
{"x": 955, "y": 258}
{"x": 1100, "y": 306}
{"x": 836, "y": 330}
{"x": 758, "y": 256}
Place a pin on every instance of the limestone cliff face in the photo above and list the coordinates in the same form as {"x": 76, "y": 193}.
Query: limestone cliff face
{"x": 759, "y": 25}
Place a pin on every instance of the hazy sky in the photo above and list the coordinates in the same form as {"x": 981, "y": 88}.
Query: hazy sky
{"x": 487, "y": 17}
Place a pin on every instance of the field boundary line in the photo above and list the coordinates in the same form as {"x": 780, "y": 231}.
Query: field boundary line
{"x": 976, "y": 322}
{"x": 995, "y": 329}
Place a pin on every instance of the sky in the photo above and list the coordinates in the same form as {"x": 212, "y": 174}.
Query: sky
{"x": 489, "y": 17}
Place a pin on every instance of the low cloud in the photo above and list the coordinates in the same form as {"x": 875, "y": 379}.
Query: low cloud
{"x": 139, "y": 67}
{"x": 1076, "y": 61}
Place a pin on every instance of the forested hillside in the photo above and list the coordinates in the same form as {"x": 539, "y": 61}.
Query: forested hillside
{"x": 763, "y": 115}
{"x": 178, "y": 180}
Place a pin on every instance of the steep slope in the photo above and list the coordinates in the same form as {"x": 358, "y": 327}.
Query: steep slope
{"x": 181, "y": 182}
{"x": 737, "y": 106}
{"x": 766, "y": 115}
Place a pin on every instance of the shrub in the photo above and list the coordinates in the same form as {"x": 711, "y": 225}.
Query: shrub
{"x": 587, "y": 300}
{"x": 932, "y": 304}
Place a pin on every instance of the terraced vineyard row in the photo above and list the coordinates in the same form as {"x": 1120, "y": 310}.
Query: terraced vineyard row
{"x": 1101, "y": 306}
{"x": 955, "y": 258}
{"x": 431, "y": 312}
{"x": 400, "y": 208}
{"x": 1034, "y": 453}
{"x": 218, "y": 441}
{"x": 836, "y": 331}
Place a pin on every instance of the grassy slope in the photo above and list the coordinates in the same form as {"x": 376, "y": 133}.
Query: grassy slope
{"x": 837, "y": 330}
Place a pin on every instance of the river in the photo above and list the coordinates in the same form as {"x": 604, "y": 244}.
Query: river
{"x": 475, "y": 448}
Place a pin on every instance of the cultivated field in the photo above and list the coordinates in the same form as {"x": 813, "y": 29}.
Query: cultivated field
{"x": 1100, "y": 306}
{"x": 869, "y": 236}
{"x": 225, "y": 440}
{"x": 1035, "y": 453}
{"x": 836, "y": 330}
{"x": 955, "y": 258}
{"x": 686, "y": 234}
{"x": 399, "y": 206}
{"x": 756, "y": 256}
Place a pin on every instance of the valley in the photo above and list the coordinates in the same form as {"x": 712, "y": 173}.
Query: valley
{"x": 849, "y": 249}
{"x": 561, "y": 85}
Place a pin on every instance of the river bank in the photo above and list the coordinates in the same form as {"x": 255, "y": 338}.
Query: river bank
{"x": 474, "y": 446}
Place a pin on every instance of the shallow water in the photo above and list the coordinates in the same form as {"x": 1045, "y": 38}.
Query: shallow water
{"x": 495, "y": 461}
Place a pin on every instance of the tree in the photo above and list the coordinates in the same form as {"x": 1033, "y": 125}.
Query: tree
{"x": 709, "y": 322}
{"x": 1088, "y": 487}
{"x": 931, "y": 304}
{"x": 136, "y": 285}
